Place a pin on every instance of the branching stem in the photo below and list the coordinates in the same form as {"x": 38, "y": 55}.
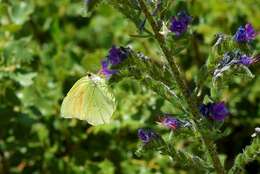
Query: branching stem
{"x": 178, "y": 75}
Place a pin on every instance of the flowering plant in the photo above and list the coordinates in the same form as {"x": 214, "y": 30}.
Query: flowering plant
{"x": 185, "y": 97}
{"x": 204, "y": 112}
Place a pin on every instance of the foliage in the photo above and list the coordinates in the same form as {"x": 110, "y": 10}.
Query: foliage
{"x": 46, "y": 46}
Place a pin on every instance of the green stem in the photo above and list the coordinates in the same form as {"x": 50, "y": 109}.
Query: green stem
{"x": 182, "y": 84}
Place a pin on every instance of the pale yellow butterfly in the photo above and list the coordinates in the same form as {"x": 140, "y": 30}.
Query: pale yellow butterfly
{"x": 89, "y": 99}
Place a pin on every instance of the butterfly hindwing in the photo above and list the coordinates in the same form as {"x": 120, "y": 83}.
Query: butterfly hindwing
{"x": 102, "y": 105}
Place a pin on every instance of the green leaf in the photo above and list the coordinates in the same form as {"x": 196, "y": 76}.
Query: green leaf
{"x": 25, "y": 79}
{"x": 20, "y": 11}
{"x": 18, "y": 51}
{"x": 41, "y": 131}
{"x": 88, "y": 7}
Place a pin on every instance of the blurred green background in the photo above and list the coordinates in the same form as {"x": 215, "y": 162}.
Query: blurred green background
{"x": 45, "y": 46}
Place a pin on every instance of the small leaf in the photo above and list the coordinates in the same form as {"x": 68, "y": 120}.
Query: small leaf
{"x": 20, "y": 11}
{"x": 25, "y": 79}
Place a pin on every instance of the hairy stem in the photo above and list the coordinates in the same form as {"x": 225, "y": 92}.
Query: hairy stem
{"x": 250, "y": 153}
{"x": 182, "y": 84}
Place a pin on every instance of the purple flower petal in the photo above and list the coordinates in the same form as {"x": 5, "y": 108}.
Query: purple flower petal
{"x": 116, "y": 55}
{"x": 245, "y": 34}
{"x": 250, "y": 32}
{"x": 182, "y": 16}
{"x": 240, "y": 35}
{"x": 205, "y": 109}
{"x": 170, "y": 122}
{"x": 180, "y": 23}
{"x": 146, "y": 135}
{"x": 105, "y": 71}
{"x": 219, "y": 111}
{"x": 216, "y": 111}
{"x": 246, "y": 60}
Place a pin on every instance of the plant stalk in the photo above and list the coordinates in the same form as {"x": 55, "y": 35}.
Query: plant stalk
{"x": 182, "y": 84}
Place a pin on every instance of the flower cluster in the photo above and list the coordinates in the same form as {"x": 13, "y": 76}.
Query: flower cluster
{"x": 179, "y": 23}
{"x": 236, "y": 57}
{"x": 232, "y": 58}
{"x": 115, "y": 57}
{"x": 245, "y": 34}
{"x": 216, "y": 111}
{"x": 168, "y": 121}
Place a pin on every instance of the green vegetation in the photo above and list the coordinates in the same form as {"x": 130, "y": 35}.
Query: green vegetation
{"x": 46, "y": 46}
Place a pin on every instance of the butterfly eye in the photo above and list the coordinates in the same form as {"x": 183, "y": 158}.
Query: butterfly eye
{"x": 88, "y": 74}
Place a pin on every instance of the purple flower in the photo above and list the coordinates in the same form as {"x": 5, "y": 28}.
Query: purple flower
{"x": 245, "y": 34}
{"x": 147, "y": 135}
{"x": 178, "y": 27}
{"x": 170, "y": 122}
{"x": 240, "y": 35}
{"x": 182, "y": 16}
{"x": 205, "y": 109}
{"x": 216, "y": 111}
{"x": 245, "y": 60}
{"x": 116, "y": 55}
{"x": 105, "y": 70}
{"x": 219, "y": 111}
{"x": 250, "y": 32}
{"x": 180, "y": 23}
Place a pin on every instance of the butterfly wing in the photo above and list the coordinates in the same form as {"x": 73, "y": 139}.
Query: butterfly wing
{"x": 101, "y": 105}
{"x": 89, "y": 99}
